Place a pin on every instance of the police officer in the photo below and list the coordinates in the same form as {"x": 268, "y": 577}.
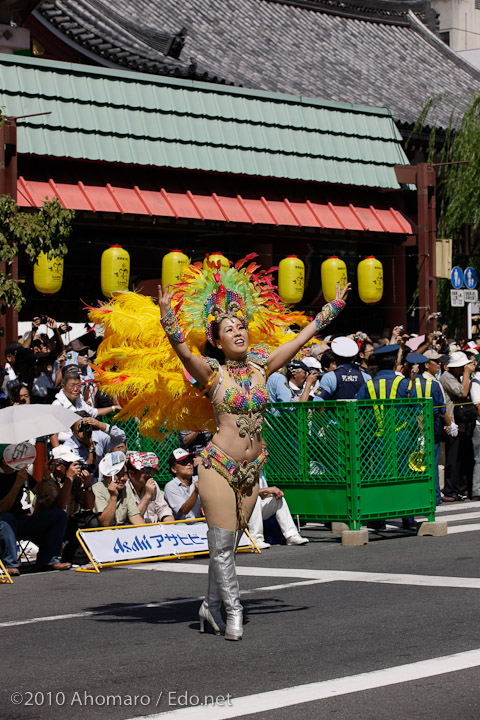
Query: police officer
{"x": 344, "y": 382}
{"x": 387, "y": 384}
{"x": 427, "y": 386}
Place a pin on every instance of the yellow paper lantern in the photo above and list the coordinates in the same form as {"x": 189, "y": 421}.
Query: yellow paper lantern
{"x": 115, "y": 270}
{"x": 370, "y": 280}
{"x": 173, "y": 266}
{"x": 48, "y": 274}
{"x": 215, "y": 257}
{"x": 333, "y": 271}
{"x": 291, "y": 279}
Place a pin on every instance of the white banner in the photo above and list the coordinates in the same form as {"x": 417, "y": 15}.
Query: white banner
{"x": 140, "y": 542}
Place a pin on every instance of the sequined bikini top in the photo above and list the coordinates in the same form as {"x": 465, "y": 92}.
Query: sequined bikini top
{"x": 249, "y": 406}
{"x": 237, "y": 403}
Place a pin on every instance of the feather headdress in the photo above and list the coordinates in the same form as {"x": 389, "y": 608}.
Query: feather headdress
{"x": 137, "y": 364}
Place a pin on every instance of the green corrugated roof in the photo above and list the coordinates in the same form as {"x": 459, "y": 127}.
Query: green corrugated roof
{"x": 132, "y": 118}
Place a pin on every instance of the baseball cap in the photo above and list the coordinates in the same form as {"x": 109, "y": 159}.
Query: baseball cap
{"x": 65, "y": 453}
{"x": 297, "y": 365}
{"x": 112, "y": 463}
{"x": 179, "y": 454}
{"x": 12, "y": 348}
{"x": 19, "y": 456}
{"x": 142, "y": 460}
{"x": 432, "y": 355}
{"x": 77, "y": 346}
{"x": 345, "y": 347}
{"x": 458, "y": 359}
{"x": 312, "y": 362}
{"x": 74, "y": 369}
{"x": 116, "y": 439}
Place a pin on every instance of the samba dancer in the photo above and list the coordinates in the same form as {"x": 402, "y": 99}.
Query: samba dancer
{"x": 232, "y": 308}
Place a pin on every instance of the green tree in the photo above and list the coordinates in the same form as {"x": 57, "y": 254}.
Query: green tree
{"x": 29, "y": 233}
{"x": 458, "y": 192}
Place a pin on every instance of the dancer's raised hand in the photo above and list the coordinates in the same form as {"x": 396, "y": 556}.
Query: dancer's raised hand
{"x": 341, "y": 294}
{"x": 164, "y": 300}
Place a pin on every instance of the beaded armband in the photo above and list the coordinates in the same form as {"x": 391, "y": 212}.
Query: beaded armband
{"x": 328, "y": 313}
{"x": 215, "y": 365}
{"x": 258, "y": 354}
{"x": 172, "y": 328}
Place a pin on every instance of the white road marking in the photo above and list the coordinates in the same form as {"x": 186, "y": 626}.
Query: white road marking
{"x": 330, "y": 575}
{"x": 451, "y": 507}
{"x": 311, "y": 692}
{"x": 166, "y": 603}
{"x": 462, "y": 516}
{"x": 463, "y": 528}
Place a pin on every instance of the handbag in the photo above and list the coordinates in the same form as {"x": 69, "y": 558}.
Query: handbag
{"x": 465, "y": 412}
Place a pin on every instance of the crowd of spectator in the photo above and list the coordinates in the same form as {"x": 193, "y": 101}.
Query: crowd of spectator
{"x": 92, "y": 479}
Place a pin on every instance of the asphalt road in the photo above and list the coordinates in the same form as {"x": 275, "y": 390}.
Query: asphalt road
{"x": 385, "y": 630}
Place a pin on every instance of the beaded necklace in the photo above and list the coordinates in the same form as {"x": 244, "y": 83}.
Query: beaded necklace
{"x": 240, "y": 373}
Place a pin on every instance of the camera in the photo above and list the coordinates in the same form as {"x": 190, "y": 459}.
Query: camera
{"x": 65, "y": 327}
{"x": 43, "y": 319}
{"x": 85, "y": 427}
{"x": 437, "y": 315}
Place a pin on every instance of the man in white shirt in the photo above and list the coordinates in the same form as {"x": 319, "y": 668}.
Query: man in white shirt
{"x": 181, "y": 493}
{"x": 70, "y": 397}
{"x": 271, "y": 501}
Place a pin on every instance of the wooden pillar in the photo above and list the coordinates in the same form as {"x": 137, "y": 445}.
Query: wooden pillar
{"x": 423, "y": 175}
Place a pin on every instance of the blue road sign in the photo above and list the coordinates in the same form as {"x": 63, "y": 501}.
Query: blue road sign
{"x": 457, "y": 277}
{"x": 470, "y": 278}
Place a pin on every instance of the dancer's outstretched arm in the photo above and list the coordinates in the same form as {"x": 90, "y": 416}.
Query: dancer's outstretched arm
{"x": 195, "y": 365}
{"x": 281, "y": 355}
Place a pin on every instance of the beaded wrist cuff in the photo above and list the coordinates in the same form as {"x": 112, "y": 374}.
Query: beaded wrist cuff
{"x": 328, "y": 312}
{"x": 172, "y": 328}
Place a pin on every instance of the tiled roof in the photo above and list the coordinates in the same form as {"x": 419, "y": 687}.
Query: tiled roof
{"x": 259, "y": 208}
{"x": 137, "y": 119}
{"x": 376, "y": 52}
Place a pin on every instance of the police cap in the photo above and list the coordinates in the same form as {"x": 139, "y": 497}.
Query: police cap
{"x": 386, "y": 350}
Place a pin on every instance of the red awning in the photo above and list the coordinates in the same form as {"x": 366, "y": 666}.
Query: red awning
{"x": 213, "y": 206}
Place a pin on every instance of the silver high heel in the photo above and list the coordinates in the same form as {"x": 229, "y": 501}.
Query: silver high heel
{"x": 222, "y": 544}
{"x": 210, "y": 608}
{"x": 204, "y": 615}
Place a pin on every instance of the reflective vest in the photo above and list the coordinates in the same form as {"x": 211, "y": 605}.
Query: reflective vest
{"x": 382, "y": 388}
{"x": 428, "y": 387}
{"x": 382, "y": 392}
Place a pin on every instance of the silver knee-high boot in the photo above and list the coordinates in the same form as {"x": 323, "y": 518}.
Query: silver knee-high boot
{"x": 222, "y": 544}
{"x": 210, "y": 609}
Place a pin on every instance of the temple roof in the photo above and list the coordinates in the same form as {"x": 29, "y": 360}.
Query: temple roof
{"x": 82, "y": 112}
{"x": 383, "y": 53}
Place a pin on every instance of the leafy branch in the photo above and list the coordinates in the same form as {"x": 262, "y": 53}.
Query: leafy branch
{"x": 46, "y": 230}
